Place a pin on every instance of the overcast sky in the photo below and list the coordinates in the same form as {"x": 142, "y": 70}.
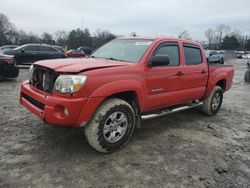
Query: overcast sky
{"x": 147, "y": 18}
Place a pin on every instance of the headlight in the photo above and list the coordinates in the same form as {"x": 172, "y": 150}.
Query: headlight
{"x": 69, "y": 83}
{"x": 31, "y": 73}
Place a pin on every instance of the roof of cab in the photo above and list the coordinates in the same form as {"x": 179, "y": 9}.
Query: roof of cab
{"x": 161, "y": 38}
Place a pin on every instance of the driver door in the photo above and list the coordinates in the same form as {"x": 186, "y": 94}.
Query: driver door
{"x": 164, "y": 83}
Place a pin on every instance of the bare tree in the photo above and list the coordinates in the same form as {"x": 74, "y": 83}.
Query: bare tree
{"x": 61, "y": 37}
{"x": 222, "y": 30}
{"x": 240, "y": 38}
{"x": 31, "y": 38}
{"x": 7, "y": 30}
{"x": 47, "y": 38}
{"x": 210, "y": 34}
{"x": 102, "y": 37}
{"x": 184, "y": 35}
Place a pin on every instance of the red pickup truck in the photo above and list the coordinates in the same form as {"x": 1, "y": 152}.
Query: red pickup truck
{"x": 123, "y": 82}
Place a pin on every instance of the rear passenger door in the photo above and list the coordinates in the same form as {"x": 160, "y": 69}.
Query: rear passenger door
{"x": 195, "y": 72}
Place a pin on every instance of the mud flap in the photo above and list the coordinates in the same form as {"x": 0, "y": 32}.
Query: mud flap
{"x": 138, "y": 120}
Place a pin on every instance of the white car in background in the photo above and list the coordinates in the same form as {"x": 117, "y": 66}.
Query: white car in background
{"x": 246, "y": 56}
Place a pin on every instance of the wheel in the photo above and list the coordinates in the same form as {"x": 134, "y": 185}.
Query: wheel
{"x": 112, "y": 126}
{"x": 247, "y": 76}
{"x": 222, "y": 61}
{"x": 213, "y": 103}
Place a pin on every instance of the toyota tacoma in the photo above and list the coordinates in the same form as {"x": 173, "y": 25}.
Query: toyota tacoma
{"x": 123, "y": 82}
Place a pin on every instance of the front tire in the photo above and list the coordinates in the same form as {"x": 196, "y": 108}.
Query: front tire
{"x": 112, "y": 126}
{"x": 212, "y": 104}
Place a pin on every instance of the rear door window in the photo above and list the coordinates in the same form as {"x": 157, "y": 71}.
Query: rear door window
{"x": 192, "y": 55}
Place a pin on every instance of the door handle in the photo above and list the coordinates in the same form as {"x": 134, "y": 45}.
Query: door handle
{"x": 203, "y": 72}
{"x": 179, "y": 73}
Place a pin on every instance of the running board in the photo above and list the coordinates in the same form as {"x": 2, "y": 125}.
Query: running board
{"x": 170, "y": 111}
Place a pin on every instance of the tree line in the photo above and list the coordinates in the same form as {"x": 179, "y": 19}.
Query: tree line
{"x": 73, "y": 39}
{"x": 221, "y": 37}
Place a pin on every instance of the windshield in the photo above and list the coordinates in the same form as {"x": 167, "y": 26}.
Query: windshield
{"x": 19, "y": 47}
{"x": 130, "y": 50}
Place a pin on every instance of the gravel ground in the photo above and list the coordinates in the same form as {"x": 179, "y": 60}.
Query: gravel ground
{"x": 186, "y": 149}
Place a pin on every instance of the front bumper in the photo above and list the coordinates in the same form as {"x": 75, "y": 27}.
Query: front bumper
{"x": 54, "y": 110}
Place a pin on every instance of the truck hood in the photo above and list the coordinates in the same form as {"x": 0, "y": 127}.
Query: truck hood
{"x": 76, "y": 65}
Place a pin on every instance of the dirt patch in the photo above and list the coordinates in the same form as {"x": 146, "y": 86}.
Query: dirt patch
{"x": 186, "y": 149}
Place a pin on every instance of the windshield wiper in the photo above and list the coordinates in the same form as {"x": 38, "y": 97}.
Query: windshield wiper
{"x": 111, "y": 58}
{"x": 114, "y": 59}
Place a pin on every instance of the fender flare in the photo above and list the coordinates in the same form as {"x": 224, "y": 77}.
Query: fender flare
{"x": 119, "y": 87}
{"x": 100, "y": 94}
{"x": 213, "y": 80}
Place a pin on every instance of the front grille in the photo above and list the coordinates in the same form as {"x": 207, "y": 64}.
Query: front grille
{"x": 33, "y": 101}
{"x": 43, "y": 79}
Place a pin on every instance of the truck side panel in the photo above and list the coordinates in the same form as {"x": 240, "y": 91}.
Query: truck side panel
{"x": 219, "y": 73}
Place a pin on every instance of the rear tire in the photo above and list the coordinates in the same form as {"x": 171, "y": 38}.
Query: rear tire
{"x": 247, "y": 76}
{"x": 212, "y": 104}
{"x": 112, "y": 126}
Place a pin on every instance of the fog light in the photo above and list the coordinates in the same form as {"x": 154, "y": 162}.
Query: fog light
{"x": 66, "y": 112}
{"x": 61, "y": 112}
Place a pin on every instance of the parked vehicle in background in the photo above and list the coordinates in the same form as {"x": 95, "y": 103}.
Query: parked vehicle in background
{"x": 75, "y": 53}
{"x": 246, "y": 56}
{"x": 215, "y": 57}
{"x": 30, "y": 53}
{"x": 8, "y": 68}
{"x": 7, "y": 47}
{"x": 60, "y": 48}
{"x": 86, "y": 49}
{"x": 123, "y": 81}
{"x": 239, "y": 54}
{"x": 247, "y": 73}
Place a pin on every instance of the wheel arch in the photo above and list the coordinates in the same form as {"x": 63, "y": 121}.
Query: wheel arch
{"x": 222, "y": 83}
{"x": 129, "y": 91}
{"x": 216, "y": 79}
{"x": 124, "y": 89}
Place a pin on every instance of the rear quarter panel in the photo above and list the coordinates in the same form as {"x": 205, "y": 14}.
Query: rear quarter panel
{"x": 217, "y": 73}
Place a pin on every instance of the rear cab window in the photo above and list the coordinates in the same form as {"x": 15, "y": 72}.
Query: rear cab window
{"x": 192, "y": 54}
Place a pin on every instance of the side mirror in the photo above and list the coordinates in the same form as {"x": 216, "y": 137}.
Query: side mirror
{"x": 22, "y": 50}
{"x": 159, "y": 60}
{"x": 248, "y": 64}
